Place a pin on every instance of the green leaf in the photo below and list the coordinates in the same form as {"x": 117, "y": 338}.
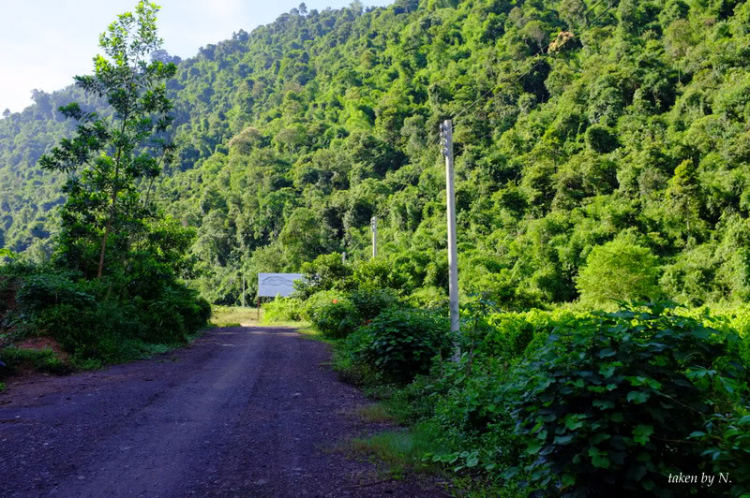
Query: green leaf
{"x": 510, "y": 473}
{"x": 603, "y": 404}
{"x": 642, "y": 433}
{"x": 728, "y": 384}
{"x": 534, "y": 447}
{"x": 607, "y": 372}
{"x": 599, "y": 459}
{"x": 563, "y": 440}
{"x": 572, "y": 422}
{"x": 653, "y": 384}
{"x": 637, "y": 397}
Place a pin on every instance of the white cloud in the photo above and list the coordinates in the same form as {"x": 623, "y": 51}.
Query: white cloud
{"x": 46, "y": 42}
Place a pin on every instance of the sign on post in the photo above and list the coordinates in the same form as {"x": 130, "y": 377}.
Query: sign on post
{"x": 277, "y": 284}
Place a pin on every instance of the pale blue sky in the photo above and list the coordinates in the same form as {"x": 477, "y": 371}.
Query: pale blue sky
{"x": 44, "y": 43}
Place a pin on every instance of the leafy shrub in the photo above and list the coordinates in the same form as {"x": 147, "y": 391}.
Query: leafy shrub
{"x": 43, "y": 360}
{"x": 469, "y": 415}
{"x": 326, "y": 272}
{"x": 8, "y": 289}
{"x": 282, "y": 309}
{"x": 727, "y": 439}
{"x": 336, "y": 319}
{"x": 40, "y": 292}
{"x": 370, "y": 304}
{"x": 176, "y": 313}
{"x": 373, "y": 274}
{"x": 95, "y": 324}
{"x": 401, "y": 343}
{"x": 430, "y": 298}
{"x": 94, "y": 332}
{"x": 612, "y": 405}
{"x": 514, "y": 334}
{"x": 318, "y": 300}
{"x": 619, "y": 271}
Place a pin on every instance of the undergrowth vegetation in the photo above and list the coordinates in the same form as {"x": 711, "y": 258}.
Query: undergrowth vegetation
{"x": 113, "y": 285}
{"x": 96, "y": 321}
{"x": 563, "y": 402}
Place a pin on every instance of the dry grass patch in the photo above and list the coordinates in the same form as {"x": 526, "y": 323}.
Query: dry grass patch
{"x": 376, "y": 413}
{"x": 235, "y": 316}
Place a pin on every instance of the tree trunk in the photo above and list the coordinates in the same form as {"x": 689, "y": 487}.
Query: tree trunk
{"x": 106, "y": 236}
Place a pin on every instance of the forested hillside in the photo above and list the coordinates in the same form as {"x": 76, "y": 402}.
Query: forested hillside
{"x": 589, "y": 135}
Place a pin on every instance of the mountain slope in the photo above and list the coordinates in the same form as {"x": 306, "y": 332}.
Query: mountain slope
{"x": 582, "y": 123}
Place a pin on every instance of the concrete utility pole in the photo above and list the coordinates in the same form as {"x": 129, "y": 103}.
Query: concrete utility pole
{"x": 446, "y": 133}
{"x": 343, "y": 258}
{"x": 374, "y": 225}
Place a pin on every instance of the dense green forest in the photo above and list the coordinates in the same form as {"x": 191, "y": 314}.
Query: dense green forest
{"x": 601, "y": 156}
{"x": 113, "y": 288}
{"x": 583, "y": 124}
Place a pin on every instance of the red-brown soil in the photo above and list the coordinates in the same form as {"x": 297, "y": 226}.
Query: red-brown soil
{"x": 44, "y": 343}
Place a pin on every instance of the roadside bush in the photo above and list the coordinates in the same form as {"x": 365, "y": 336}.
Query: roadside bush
{"x": 174, "y": 315}
{"x": 400, "y": 343}
{"x": 95, "y": 324}
{"x": 470, "y": 416}
{"x": 612, "y": 405}
{"x": 370, "y": 304}
{"x": 318, "y": 300}
{"x": 40, "y": 292}
{"x": 282, "y": 309}
{"x": 336, "y": 320}
{"x": 43, "y": 360}
{"x": 727, "y": 439}
{"x": 513, "y": 334}
{"x": 8, "y": 289}
{"x": 327, "y": 272}
{"x": 429, "y": 298}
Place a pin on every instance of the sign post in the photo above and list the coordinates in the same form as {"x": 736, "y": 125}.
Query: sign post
{"x": 277, "y": 284}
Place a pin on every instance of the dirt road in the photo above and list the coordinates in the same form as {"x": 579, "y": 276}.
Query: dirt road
{"x": 244, "y": 412}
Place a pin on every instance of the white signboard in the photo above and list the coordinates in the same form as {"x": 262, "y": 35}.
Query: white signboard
{"x": 276, "y": 284}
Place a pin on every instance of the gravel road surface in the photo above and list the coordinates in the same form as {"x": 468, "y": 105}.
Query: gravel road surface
{"x": 243, "y": 412}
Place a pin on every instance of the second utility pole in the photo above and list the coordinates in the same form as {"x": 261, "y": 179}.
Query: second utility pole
{"x": 446, "y": 132}
{"x": 374, "y": 225}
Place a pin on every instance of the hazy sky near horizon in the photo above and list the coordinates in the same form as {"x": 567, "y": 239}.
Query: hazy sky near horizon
{"x": 44, "y": 43}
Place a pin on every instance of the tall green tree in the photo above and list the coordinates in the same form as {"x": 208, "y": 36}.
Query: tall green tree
{"x": 120, "y": 154}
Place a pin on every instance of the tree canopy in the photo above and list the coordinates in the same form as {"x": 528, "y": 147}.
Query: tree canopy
{"x": 580, "y": 121}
